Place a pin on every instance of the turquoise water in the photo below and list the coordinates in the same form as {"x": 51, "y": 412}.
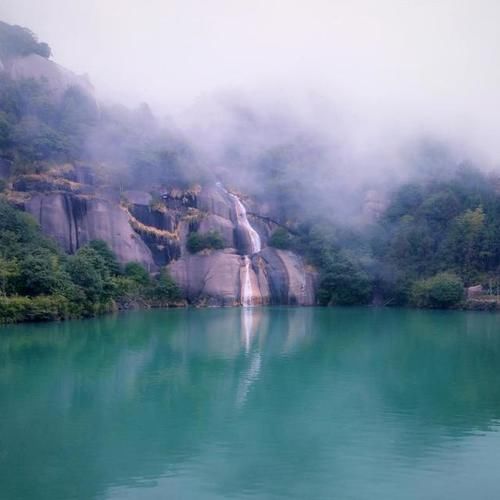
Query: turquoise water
{"x": 252, "y": 404}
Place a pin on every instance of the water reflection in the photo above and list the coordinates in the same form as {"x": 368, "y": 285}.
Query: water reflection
{"x": 250, "y": 322}
{"x": 252, "y": 402}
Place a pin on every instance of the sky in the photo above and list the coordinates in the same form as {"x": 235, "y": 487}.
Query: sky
{"x": 391, "y": 68}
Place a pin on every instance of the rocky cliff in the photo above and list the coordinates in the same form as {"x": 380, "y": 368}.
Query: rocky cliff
{"x": 76, "y": 203}
{"x": 152, "y": 228}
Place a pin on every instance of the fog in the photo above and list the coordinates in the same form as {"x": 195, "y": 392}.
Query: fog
{"x": 369, "y": 78}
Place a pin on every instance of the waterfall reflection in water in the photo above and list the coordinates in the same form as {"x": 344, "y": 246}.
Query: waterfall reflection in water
{"x": 249, "y": 376}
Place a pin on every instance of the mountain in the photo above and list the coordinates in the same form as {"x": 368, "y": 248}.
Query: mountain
{"x": 86, "y": 171}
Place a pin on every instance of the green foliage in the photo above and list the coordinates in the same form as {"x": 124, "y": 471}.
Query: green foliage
{"x": 41, "y": 308}
{"x": 89, "y": 272}
{"x": 20, "y": 235}
{"x": 9, "y": 274}
{"x": 38, "y": 282}
{"x": 200, "y": 241}
{"x": 343, "y": 283}
{"x": 444, "y": 290}
{"x": 280, "y": 238}
{"x": 36, "y": 126}
{"x": 164, "y": 289}
{"x": 466, "y": 245}
{"x": 110, "y": 260}
{"x": 430, "y": 228}
{"x": 40, "y": 273}
{"x": 135, "y": 272}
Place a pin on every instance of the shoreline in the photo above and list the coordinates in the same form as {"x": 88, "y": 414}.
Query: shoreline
{"x": 474, "y": 305}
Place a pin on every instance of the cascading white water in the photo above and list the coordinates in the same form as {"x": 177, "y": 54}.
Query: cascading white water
{"x": 246, "y": 284}
{"x": 242, "y": 220}
{"x": 255, "y": 246}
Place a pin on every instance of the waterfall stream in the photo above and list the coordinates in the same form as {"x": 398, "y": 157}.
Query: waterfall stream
{"x": 246, "y": 284}
{"x": 242, "y": 222}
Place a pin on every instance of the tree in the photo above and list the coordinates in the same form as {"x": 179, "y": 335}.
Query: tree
{"x": 164, "y": 288}
{"x": 344, "y": 284}
{"x": 137, "y": 273}
{"x": 444, "y": 290}
{"x": 89, "y": 271}
{"x": 465, "y": 248}
{"x": 9, "y": 272}
{"x": 109, "y": 257}
{"x": 280, "y": 238}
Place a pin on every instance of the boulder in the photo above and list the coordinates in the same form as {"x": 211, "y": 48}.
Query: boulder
{"x": 209, "y": 278}
{"x": 289, "y": 281}
{"x": 474, "y": 291}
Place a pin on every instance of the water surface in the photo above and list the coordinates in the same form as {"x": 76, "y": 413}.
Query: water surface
{"x": 252, "y": 404}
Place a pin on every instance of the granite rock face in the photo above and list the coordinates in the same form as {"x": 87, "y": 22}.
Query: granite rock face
{"x": 73, "y": 221}
{"x": 209, "y": 279}
{"x": 220, "y": 277}
{"x": 215, "y": 278}
{"x": 224, "y": 227}
{"x": 289, "y": 280}
{"x": 155, "y": 233}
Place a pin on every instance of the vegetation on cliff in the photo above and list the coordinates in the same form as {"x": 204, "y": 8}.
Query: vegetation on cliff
{"x": 36, "y": 129}
{"x": 196, "y": 241}
{"x": 39, "y": 282}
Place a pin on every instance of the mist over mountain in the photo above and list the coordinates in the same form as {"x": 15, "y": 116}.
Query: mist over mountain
{"x": 391, "y": 71}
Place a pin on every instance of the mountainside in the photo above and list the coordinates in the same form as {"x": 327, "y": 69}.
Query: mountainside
{"x": 58, "y": 166}
{"x": 153, "y": 228}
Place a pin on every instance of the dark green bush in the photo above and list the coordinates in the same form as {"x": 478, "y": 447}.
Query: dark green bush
{"x": 102, "y": 248}
{"x": 164, "y": 289}
{"x": 342, "y": 283}
{"x": 137, "y": 273}
{"x": 444, "y": 290}
{"x": 42, "y": 308}
{"x": 280, "y": 238}
{"x": 200, "y": 241}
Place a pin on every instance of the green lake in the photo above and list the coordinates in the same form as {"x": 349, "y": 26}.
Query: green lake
{"x": 252, "y": 403}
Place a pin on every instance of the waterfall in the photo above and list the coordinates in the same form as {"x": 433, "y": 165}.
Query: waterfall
{"x": 246, "y": 284}
{"x": 242, "y": 220}
{"x": 246, "y": 292}
{"x": 255, "y": 246}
